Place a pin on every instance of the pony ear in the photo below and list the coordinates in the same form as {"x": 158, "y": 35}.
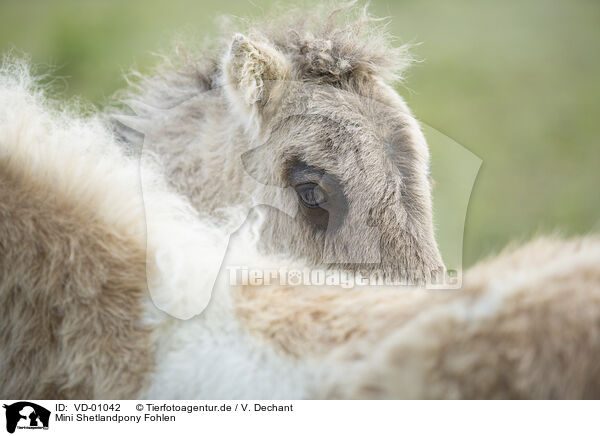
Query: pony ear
{"x": 254, "y": 73}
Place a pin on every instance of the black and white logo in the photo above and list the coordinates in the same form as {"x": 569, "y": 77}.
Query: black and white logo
{"x": 26, "y": 415}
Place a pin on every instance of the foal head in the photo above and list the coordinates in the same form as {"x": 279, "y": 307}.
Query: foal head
{"x": 326, "y": 126}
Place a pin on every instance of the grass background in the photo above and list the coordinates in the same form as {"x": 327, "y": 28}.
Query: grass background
{"x": 515, "y": 82}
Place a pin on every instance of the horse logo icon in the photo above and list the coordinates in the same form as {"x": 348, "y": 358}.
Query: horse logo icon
{"x": 26, "y": 415}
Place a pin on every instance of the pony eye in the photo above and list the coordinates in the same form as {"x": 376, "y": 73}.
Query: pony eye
{"x": 311, "y": 195}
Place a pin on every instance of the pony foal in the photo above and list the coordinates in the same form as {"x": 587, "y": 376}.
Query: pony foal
{"x": 299, "y": 114}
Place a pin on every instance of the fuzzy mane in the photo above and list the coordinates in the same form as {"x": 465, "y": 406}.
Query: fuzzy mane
{"x": 335, "y": 45}
{"x": 339, "y": 45}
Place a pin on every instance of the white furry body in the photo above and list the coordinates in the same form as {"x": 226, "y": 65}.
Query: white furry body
{"x": 212, "y": 356}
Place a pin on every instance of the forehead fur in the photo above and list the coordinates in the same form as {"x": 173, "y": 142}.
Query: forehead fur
{"x": 337, "y": 45}
{"x": 334, "y": 45}
{"x": 325, "y": 45}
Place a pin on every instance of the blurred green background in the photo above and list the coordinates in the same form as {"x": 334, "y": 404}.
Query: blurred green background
{"x": 515, "y": 82}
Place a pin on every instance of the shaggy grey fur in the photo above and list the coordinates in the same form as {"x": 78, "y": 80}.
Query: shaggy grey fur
{"x": 304, "y": 96}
